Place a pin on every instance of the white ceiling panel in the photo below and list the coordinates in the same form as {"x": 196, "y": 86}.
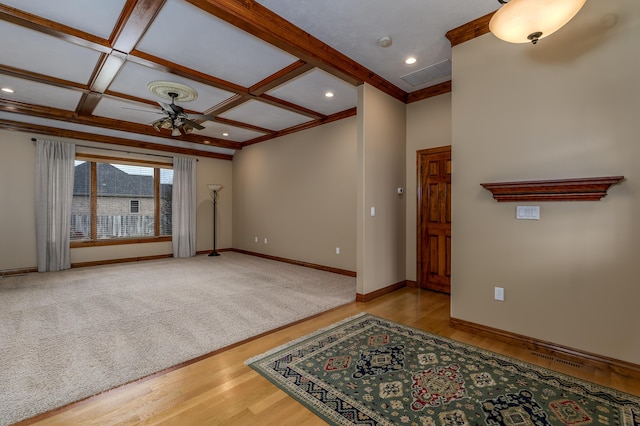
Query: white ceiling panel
{"x": 215, "y": 48}
{"x": 133, "y": 79}
{"x": 30, "y": 92}
{"x": 96, "y": 17}
{"x": 264, "y": 115}
{"x": 236, "y": 134}
{"x": 309, "y": 89}
{"x": 34, "y": 51}
{"x": 127, "y": 111}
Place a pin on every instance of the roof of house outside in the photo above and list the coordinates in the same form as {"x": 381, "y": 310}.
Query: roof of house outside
{"x": 113, "y": 182}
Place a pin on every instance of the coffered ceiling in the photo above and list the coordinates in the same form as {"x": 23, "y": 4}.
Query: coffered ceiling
{"x": 82, "y": 68}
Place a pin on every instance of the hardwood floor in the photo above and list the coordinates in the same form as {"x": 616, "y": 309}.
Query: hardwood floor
{"x": 221, "y": 390}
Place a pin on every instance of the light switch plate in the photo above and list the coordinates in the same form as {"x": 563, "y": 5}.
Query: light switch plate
{"x": 499, "y": 293}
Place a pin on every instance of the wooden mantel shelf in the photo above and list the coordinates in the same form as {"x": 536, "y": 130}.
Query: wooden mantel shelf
{"x": 583, "y": 189}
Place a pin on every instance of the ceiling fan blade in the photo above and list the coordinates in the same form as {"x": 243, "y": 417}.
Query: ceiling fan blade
{"x": 201, "y": 117}
{"x": 144, "y": 110}
{"x": 193, "y": 124}
{"x": 166, "y": 107}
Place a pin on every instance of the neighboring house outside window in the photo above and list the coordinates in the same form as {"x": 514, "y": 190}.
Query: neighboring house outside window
{"x": 123, "y": 203}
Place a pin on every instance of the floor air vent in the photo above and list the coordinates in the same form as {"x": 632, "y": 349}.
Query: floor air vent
{"x": 559, "y": 360}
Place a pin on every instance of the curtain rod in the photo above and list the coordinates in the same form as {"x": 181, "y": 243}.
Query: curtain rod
{"x": 118, "y": 150}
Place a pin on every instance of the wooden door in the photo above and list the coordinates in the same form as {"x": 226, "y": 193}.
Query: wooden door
{"x": 434, "y": 219}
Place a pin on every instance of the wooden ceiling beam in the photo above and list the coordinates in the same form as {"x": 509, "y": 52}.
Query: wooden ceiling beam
{"x": 244, "y": 125}
{"x": 54, "y": 29}
{"x": 280, "y": 103}
{"x": 111, "y": 124}
{"x": 134, "y": 20}
{"x": 227, "y": 104}
{"x": 164, "y": 65}
{"x": 304, "y": 126}
{"x": 429, "y": 92}
{"x": 259, "y": 21}
{"x": 284, "y": 75}
{"x": 93, "y": 137}
{"x": 136, "y": 17}
{"x": 41, "y": 78}
{"x": 470, "y": 30}
{"x": 106, "y": 70}
{"x": 88, "y": 103}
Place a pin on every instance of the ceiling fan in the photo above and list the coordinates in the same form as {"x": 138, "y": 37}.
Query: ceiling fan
{"x": 176, "y": 119}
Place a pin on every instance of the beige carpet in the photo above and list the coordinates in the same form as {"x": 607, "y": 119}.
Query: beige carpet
{"x": 68, "y": 335}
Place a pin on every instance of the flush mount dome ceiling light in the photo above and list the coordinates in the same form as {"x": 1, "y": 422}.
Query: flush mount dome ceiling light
{"x": 522, "y": 21}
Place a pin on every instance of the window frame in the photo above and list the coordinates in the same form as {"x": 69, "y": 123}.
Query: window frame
{"x": 93, "y": 241}
{"x": 135, "y": 203}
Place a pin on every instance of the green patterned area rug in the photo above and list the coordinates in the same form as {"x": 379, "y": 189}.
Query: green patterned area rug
{"x": 368, "y": 370}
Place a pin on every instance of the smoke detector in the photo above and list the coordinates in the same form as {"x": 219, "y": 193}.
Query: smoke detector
{"x": 385, "y": 41}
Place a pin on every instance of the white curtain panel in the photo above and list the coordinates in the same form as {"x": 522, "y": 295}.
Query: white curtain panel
{"x": 54, "y": 192}
{"x": 183, "y": 207}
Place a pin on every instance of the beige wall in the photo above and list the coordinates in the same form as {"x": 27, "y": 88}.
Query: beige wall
{"x": 428, "y": 126}
{"x": 567, "y": 107}
{"x": 17, "y": 214}
{"x": 299, "y": 192}
{"x": 381, "y": 170}
{"x": 17, "y": 203}
{"x": 213, "y": 170}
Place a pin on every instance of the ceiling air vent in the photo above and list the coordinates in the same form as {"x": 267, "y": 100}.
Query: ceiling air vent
{"x": 429, "y": 74}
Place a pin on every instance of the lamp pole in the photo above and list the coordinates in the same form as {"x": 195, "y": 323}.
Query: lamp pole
{"x": 214, "y": 194}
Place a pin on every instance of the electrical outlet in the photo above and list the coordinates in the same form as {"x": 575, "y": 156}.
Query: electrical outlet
{"x": 256, "y": 239}
{"x": 499, "y": 293}
{"x": 337, "y": 250}
{"x": 265, "y": 241}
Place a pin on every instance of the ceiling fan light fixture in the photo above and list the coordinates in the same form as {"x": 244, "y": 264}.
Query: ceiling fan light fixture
{"x": 524, "y": 21}
{"x": 175, "y": 132}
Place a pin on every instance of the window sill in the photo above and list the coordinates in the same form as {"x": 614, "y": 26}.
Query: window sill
{"x": 118, "y": 241}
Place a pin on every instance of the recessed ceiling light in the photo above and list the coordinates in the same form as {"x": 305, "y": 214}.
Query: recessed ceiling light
{"x": 410, "y": 60}
{"x": 329, "y": 94}
{"x": 225, "y": 134}
{"x": 6, "y": 89}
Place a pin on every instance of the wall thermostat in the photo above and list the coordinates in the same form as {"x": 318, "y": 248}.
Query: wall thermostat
{"x": 400, "y": 190}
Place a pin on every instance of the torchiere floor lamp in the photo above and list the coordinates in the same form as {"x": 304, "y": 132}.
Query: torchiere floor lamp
{"x": 214, "y": 188}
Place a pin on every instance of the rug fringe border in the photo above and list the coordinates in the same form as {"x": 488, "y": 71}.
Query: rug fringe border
{"x": 290, "y": 343}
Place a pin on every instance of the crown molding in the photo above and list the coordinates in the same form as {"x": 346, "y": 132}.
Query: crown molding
{"x": 470, "y": 30}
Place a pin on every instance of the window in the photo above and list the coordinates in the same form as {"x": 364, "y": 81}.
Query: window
{"x": 120, "y": 200}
